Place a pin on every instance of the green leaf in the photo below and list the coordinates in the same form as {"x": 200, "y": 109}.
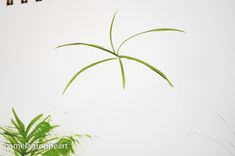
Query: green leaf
{"x": 47, "y": 141}
{"x": 7, "y": 133}
{"x": 111, "y": 32}
{"x": 20, "y": 130}
{"x": 83, "y": 136}
{"x": 41, "y": 131}
{"x": 12, "y": 138}
{"x": 148, "y": 31}
{"x": 89, "y": 45}
{"x": 67, "y": 147}
{"x": 19, "y": 122}
{"x": 123, "y": 73}
{"x": 39, "y": 127}
{"x": 12, "y": 141}
{"x": 82, "y": 70}
{"x": 40, "y": 135}
{"x": 33, "y": 122}
{"x": 11, "y": 133}
{"x": 148, "y": 65}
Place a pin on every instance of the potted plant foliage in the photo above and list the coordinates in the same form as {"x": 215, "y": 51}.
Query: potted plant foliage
{"x": 36, "y": 138}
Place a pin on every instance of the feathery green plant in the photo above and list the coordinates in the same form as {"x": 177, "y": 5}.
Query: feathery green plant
{"x": 116, "y": 53}
{"x": 36, "y": 138}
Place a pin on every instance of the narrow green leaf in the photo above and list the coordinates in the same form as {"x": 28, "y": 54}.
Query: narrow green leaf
{"x": 83, "y": 135}
{"x": 20, "y": 130}
{"x": 148, "y": 31}
{"x": 67, "y": 142}
{"x": 42, "y": 130}
{"x": 111, "y": 32}
{"x": 31, "y": 151}
{"x": 47, "y": 141}
{"x": 46, "y": 119}
{"x": 11, "y": 137}
{"x": 8, "y": 132}
{"x": 19, "y": 122}
{"x": 89, "y": 45}
{"x": 123, "y": 73}
{"x": 3, "y": 129}
{"x": 148, "y": 65}
{"x": 82, "y": 70}
{"x": 12, "y": 133}
{"x": 33, "y": 122}
{"x": 12, "y": 141}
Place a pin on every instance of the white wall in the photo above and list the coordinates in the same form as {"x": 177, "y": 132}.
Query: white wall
{"x": 148, "y": 117}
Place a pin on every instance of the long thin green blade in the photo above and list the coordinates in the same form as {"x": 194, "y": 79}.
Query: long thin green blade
{"x": 123, "y": 73}
{"x": 38, "y": 127}
{"x": 82, "y": 70}
{"x": 87, "y": 44}
{"x": 224, "y": 146}
{"x": 111, "y": 32}
{"x": 149, "y": 31}
{"x": 20, "y": 130}
{"x": 148, "y": 65}
{"x": 12, "y": 141}
{"x": 33, "y": 122}
{"x": 42, "y": 130}
{"x": 19, "y": 122}
{"x": 10, "y": 133}
{"x": 34, "y": 152}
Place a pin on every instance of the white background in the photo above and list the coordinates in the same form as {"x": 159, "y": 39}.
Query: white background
{"x": 148, "y": 117}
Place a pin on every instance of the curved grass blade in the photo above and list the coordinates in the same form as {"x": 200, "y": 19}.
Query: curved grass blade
{"x": 12, "y": 141}
{"x": 213, "y": 140}
{"x": 123, "y": 73}
{"x": 66, "y": 150}
{"x": 111, "y": 32}
{"x": 46, "y": 119}
{"x": 21, "y": 132}
{"x": 148, "y": 65}
{"x": 19, "y": 122}
{"x": 82, "y": 70}
{"x": 12, "y": 133}
{"x": 33, "y": 122}
{"x": 33, "y": 151}
{"x": 87, "y": 44}
{"x": 8, "y": 134}
{"x": 41, "y": 132}
{"x": 148, "y": 31}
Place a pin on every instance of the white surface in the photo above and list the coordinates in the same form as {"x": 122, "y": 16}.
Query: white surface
{"x": 148, "y": 118}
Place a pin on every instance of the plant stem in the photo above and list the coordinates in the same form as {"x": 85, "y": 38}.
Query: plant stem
{"x": 111, "y": 33}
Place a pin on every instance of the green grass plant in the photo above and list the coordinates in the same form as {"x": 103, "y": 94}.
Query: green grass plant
{"x": 115, "y": 52}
